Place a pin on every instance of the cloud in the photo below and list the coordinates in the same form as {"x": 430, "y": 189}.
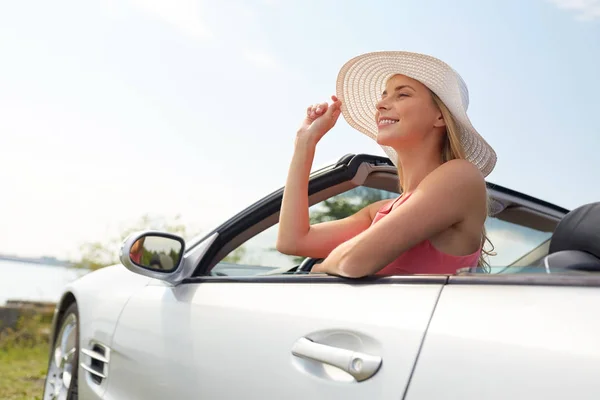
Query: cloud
{"x": 586, "y": 9}
{"x": 183, "y": 15}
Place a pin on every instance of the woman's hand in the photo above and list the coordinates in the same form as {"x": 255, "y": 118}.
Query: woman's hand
{"x": 320, "y": 118}
{"x": 296, "y": 235}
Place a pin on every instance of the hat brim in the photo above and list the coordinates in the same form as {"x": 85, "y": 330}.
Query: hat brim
{"x": 361, "y": 81}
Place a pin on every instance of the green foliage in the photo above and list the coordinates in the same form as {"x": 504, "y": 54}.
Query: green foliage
{"x": 346, "y": 204}
{"x": 24, "y": 353}
{"x": 95, "y": 255}
{"x": 147, "y": 257}
{"x": 236, "y": 256}
{"x": 32, "y": 329}
{"x": 22, "y": 372}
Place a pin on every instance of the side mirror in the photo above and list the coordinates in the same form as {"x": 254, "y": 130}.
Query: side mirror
{"x": 152, "y": 253}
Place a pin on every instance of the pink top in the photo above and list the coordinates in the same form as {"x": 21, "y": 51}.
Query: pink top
{"x": 423, "y": 258}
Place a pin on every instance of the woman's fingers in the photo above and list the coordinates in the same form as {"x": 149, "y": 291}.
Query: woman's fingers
{"x": 312, "y": 111}
{"x": 321, "y": 108}
{"x": 316, "y": 110}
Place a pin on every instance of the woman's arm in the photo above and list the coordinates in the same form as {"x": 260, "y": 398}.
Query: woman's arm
{"x": 444, "y": 198}
{"x": 296, "y": 236}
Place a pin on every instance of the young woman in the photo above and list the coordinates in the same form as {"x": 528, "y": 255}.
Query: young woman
{"x": 414, "y": 106}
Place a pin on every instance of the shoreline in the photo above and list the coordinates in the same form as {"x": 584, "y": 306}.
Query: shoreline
{"x": 46, "y": 261}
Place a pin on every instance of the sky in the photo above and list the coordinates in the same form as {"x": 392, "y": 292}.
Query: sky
{"x": 113, "y": 109}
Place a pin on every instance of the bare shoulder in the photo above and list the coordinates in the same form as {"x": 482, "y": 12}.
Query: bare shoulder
{"x": 459, "y": 180}
{"x": 457, "y": 173}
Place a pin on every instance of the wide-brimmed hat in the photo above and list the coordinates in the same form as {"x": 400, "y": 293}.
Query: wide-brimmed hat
{"x": 361, "y": 81}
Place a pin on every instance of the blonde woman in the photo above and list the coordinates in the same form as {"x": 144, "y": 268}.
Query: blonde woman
{"x": 414, "y": 106}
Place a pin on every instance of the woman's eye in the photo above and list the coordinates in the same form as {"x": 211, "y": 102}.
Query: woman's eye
{"x": 402, "y": 95}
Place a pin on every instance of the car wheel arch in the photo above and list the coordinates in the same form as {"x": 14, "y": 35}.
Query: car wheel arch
{"x": 65, "y": 302}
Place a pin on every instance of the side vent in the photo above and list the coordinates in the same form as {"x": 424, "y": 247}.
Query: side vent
{"x": 96, "y": 362}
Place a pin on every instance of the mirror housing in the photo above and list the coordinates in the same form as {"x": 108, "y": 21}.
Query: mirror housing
{"x": 152, "y": 253}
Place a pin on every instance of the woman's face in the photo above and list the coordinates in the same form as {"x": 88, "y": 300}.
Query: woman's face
{"x": 406, "y": 112}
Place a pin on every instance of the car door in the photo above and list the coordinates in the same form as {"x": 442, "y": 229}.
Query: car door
{"x": 272, "y": 337}
{"x": 244, "y": 327}
{"x": 512, "y": 336}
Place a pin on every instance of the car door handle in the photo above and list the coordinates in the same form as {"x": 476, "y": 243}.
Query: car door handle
{"x": 361, "y": 366}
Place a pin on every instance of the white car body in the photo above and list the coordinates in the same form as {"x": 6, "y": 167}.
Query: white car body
{"x": 186, "y": 335}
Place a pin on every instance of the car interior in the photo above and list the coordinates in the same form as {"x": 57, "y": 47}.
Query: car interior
{"x": 561, "y": 247}
{"x": 575, "y": 243}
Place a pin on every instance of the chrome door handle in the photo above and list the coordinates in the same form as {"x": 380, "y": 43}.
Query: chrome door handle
{"x": 361, "y": 366}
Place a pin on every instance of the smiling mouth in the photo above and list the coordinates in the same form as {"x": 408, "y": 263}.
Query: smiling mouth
{"x": 387, "y": 121}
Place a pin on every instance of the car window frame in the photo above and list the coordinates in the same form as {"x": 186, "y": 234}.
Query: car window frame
{"x": 349, "y": 168}
{"x": 321, "y": 181}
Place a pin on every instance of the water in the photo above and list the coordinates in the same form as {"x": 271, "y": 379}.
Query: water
{"x": 34, "y": 282}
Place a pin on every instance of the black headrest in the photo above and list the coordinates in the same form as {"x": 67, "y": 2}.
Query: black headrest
{"x": 579, "y": 230}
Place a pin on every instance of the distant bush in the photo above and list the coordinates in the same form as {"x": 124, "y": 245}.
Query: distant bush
{"x": 32, "y": 329}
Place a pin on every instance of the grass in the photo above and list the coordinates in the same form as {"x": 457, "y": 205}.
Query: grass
{"x": 22, "y": 372}
{"x": 24, "y": 357}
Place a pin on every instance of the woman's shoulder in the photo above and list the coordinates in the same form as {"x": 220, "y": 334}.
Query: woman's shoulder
{"x": 459, "y": 174}
{"x": 464, "y": 167}
{"x": 456, "y": 181}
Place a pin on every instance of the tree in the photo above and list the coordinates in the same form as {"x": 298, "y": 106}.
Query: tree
{"x": 95, "y": 255}
{"x": 344, "y": 205}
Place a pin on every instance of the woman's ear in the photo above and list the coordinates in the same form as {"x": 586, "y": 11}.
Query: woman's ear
{"x": 439, "y": 120}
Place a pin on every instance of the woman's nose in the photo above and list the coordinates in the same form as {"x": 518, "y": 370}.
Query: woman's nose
{"x": 382, "y": 105}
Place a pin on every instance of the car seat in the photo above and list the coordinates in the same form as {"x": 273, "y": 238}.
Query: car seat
{"x": 575, "y": 243}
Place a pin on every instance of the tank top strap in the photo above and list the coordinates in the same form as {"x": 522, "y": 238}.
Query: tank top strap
{"x": 400, "y": 199}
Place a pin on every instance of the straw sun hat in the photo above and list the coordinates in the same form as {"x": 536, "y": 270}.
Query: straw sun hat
{"x": 361, "y": 81}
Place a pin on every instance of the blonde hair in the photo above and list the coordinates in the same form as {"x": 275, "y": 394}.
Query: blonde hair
{"x": 453, "y": 149}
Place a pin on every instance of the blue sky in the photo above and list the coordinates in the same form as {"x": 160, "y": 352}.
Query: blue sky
{"x": 113, "y": 109}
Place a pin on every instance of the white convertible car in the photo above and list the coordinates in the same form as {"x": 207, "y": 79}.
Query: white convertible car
{"x": 228, "y": 317}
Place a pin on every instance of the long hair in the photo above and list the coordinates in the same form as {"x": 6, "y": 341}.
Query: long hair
{"x": 453, "y": 149}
